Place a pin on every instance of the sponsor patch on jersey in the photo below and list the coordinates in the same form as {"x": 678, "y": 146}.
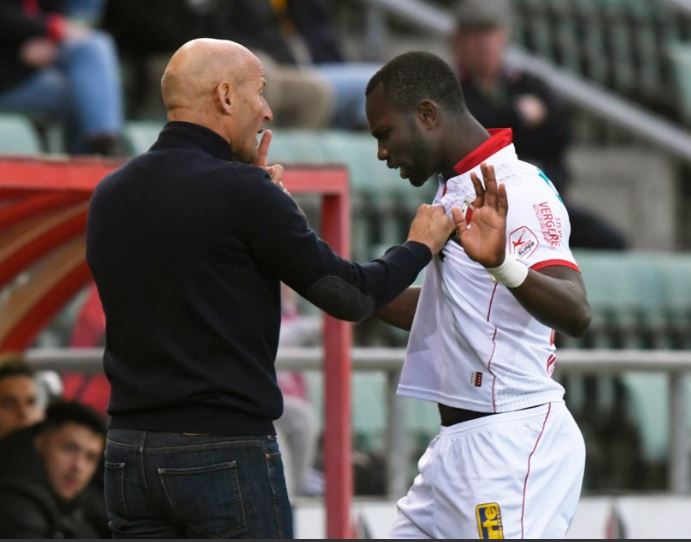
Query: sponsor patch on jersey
{"x": 550, "y": 224}
{"x": 476, "y": 379}
{"x": 522, "y": 242}
{"x": 489, "y": 524}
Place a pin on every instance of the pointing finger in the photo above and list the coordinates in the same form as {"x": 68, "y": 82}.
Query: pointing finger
{"x": 263, "y": 149}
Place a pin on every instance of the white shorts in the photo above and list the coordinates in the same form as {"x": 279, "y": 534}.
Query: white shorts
{"x": 510, "y": 475}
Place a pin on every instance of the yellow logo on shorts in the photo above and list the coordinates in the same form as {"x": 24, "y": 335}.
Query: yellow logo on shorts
{"x": 489, "y": 521}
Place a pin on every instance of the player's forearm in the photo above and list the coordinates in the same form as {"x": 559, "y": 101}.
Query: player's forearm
{"x": 400, "y": 311}
{"x": 556, "y": 297}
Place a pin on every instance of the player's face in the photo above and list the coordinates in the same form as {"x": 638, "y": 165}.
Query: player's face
{"x": 250, "y": 115}
{"x": 400, "y": 140}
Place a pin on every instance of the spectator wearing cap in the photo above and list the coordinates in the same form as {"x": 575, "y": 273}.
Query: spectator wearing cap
{"x": 499, "y": 96}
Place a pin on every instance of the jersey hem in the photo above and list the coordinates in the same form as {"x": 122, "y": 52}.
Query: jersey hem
{"x": 525, "y": 401}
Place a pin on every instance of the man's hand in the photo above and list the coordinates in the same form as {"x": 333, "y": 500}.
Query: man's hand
{"x": 275, "y": 171}
{"x": 484, "y": 239}
{"x": 431, "y": 227}
{"x": 38, "y": 52}
{"x": 75, "y": 31}
{"x": 532, "y": 109}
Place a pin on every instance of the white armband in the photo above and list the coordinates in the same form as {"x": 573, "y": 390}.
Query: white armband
{"x": 510, "y": 273}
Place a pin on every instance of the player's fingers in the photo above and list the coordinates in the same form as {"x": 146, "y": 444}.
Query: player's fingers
{"x": 490, "y": 185}
{"x": 263, "y": 149}
{"x": 479, "y": 190}
{"x": 503, "y": 201}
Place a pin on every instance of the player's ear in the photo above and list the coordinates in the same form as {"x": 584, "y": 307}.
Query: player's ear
{"x": 427, "y": 113}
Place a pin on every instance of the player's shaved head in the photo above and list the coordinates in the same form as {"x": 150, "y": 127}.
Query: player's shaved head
{"x": 197, "y": 68}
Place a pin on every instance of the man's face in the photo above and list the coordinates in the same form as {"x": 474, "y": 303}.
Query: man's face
{"x": 71, "y": 454}
{"x": 401, "y": 142}
{"x": 480, "y": 52}
{"x": 251, "y": 114}
{"x": 18, "y": 404}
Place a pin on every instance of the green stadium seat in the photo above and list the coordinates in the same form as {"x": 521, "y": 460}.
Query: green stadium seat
{"x": 680, "y": 56}
{"x": 139, "y": 135}
{"x": 18, "y": 136}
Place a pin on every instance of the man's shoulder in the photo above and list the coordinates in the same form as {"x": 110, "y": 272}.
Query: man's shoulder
{"x": 28, "y": 508}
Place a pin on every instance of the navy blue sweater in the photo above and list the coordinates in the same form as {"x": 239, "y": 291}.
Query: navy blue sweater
{"x": 187, "y": 249}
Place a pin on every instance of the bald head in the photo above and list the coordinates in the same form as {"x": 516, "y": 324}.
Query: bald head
{"x": 198, "y": 67}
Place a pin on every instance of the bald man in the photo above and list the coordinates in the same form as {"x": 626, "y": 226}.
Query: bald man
{"x": 188, "y": 244}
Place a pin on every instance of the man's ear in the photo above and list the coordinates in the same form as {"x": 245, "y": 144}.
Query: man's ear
{"x": 427, "y": 113}
{"x": 223, "y": 96}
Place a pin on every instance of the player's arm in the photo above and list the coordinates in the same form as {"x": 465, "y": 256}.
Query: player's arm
{"x": 400, "y": 311}
{"x": 554, "y": 295}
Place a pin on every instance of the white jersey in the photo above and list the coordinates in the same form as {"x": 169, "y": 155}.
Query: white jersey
{"x": 472, "y": 345}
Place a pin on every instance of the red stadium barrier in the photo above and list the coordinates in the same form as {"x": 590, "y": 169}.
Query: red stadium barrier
{"x": 42, "y": 220}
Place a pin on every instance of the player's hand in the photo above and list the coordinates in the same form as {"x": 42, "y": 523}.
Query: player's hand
{"x": 484, "y": 239}
{"x": 431, "y": 227}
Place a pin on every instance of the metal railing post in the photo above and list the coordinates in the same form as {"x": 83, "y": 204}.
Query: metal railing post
{"x": 678, "y": 434}
{"x": 397, "y": 442}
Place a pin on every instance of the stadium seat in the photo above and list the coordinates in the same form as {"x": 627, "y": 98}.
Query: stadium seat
{"x": 18, "y": 136}
{"x": 680, "y": 56}
{"x": 139, "y": 135}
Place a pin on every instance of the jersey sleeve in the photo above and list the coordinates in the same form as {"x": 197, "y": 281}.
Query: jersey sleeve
{"x": 538, "y": 228}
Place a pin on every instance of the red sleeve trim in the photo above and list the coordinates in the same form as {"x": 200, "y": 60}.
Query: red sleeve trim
{"x": 56, "y": 27}
{"x": 550, "y": 263}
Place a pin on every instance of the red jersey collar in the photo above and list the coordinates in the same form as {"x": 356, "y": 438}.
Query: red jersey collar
{"x": 499, "y": 138}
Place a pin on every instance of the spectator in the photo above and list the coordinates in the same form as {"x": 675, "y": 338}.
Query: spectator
{"x": 19, "y": 397}
{"x": 298, "y": 33}
{"x": 298, "y": 97}
{"x": 57, "y": 68}
{"x": 499, "y": 96}
{"x": 297, "y": 427}
{"x": 46, "y": 470}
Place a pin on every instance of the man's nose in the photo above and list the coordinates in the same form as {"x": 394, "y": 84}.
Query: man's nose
{"x": 268, "y": 114}
{"x": 24, "y": 412}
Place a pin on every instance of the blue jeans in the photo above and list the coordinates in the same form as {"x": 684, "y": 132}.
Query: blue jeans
{"x": 86, "y": 11}
{"x": 348, "y": 81}
{"x": 174, "y": 485}
{"x": 83, "y": 88}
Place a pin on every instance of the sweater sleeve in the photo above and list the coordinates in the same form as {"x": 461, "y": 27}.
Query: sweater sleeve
{"x": 282, "y": 242}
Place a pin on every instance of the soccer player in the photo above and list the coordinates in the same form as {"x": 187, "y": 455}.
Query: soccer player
{"x": 508, "y": 461}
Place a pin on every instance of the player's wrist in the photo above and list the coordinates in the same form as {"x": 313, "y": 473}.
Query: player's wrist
{"x": 510, "y": 273}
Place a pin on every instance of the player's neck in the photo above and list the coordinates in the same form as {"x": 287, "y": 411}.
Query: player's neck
{"x": 466, "y": 135}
